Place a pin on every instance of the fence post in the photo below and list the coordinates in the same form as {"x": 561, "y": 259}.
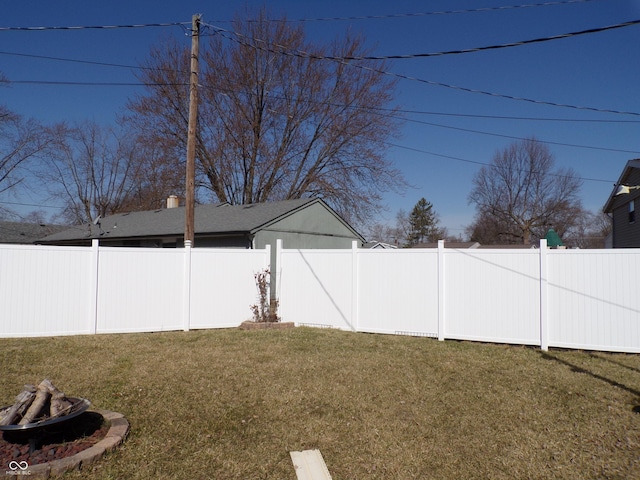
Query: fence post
{"x": 95, "y": 259}
{"x": 186, "y": 292}
{"x": 272, "y": 286}
{"x": 544, "y": 319}
{"x": 441, "y": 292}
{"x": 354, "y": 285}
{"x": 278, "y": 271}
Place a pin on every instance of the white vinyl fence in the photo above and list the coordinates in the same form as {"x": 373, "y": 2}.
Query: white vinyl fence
{"x": 84, "y": 290}
{"x": 586, "y": 299}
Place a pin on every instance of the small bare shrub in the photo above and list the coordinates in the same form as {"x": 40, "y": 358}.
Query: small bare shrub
{"x": 264, "y": 310}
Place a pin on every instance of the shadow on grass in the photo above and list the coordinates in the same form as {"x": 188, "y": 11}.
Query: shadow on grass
{"x": 614, "y": 383}
{"x": 595, "y": 355}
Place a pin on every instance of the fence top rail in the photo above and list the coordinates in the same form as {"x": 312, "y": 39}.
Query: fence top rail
{"x": 42, "y": 248}
{"x": 194, "y": 251}
{"x": 595, "y": 251}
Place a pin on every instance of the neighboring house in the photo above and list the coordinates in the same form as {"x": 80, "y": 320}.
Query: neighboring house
{"x": 622, "y": 209}
{"x": 26, "y": 232}
{"x": 302, "y": 223}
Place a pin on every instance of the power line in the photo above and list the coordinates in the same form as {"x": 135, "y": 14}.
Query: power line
{"x": 282, "y": 51}
{"x": 426, "y": 14}
{"x": 509, "y": 117}
{"x": 187, "y": 25}
{"x": 184, "y": 25}
{"x": 590, "y": 147}
{"x": 386, "y": 112}
{"x": 227, "y": 34}
{"x": 490, "y": 47}
{"x": 303, "y": 54}
{"x": 415, "y": 112}
{"x": 86, "y": 62}
{"x": 118, "y": 65}
{"x": 484, "y": 164}
{"x": 31, "y": 205}
{"x": 94, "y": 84}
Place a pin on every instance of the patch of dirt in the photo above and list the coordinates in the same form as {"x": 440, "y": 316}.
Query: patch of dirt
{"x": 54, "y": 442}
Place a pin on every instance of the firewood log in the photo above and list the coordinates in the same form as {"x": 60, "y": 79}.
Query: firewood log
{"x": 60, "y": 405}
{"x": 23, "y": 401}
{"x": 42, "y": 395}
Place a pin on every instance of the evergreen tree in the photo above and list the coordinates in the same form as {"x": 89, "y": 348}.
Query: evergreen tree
{"x": 423, "y": 224}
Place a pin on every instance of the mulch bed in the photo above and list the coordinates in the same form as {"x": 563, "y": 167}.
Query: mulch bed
{"x": 250, "y": 325}
{"x": 55, "y": 442}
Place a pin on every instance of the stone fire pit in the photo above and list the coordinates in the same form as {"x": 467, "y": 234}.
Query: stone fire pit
{"x": 46, "y": 433}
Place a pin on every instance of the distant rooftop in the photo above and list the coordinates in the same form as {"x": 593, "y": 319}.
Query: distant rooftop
{"x": 26, "y": 232}
{"x": 216, "y": 219}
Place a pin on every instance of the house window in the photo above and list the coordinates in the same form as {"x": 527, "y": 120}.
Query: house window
{"x": 632, "y": 211}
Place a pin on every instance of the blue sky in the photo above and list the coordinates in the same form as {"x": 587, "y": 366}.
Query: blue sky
{"x": 441, "y": 148}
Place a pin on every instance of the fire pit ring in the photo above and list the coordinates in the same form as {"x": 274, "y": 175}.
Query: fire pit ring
{"x": 80, "y": 405}
{"x": 118, "y": 429}
{"x": 34, "y": 431}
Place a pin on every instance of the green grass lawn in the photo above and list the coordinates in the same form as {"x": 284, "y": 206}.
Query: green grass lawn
{"x": 232, "y": 404}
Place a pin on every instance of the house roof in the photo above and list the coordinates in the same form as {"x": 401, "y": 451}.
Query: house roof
{"x": 375, "y": 244}
{"x": 624, "y": 176}
{"x": 216, "y": 219}
{"x": 25, "y": 232}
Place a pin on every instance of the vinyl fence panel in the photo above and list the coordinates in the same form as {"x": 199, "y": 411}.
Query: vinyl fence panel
{"x": 223, "y": 286}
{"x": 398, "y": 291}
{"x": 45, "y": 291}
{"x": 492, "y": 296}
{"x": 316, "y": 288}
{"x": 140, "y": 289}
{"x": 594, "y": 299}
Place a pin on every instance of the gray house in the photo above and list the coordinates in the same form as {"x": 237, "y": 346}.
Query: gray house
{"x": 303, "y": 223}
{"x": 621, "y": 207}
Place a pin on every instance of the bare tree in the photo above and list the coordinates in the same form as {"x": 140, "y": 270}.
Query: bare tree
{"x": 489, "y": 229}
{"x": 92, "y": 169}
{"x": 519, "y": 196}
{"x": 393, "y": 235}
{"x": 275, "y": 124}
{"x": 21, "y": 142}
{"x": 590, "y": 231}
{"x": 156, "y": 177}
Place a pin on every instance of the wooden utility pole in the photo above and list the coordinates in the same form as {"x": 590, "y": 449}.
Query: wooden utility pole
{"x": 189, "y": 227}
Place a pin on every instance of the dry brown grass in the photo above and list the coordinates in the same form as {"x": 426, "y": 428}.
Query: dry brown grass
{"x": 232, "y": 404}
